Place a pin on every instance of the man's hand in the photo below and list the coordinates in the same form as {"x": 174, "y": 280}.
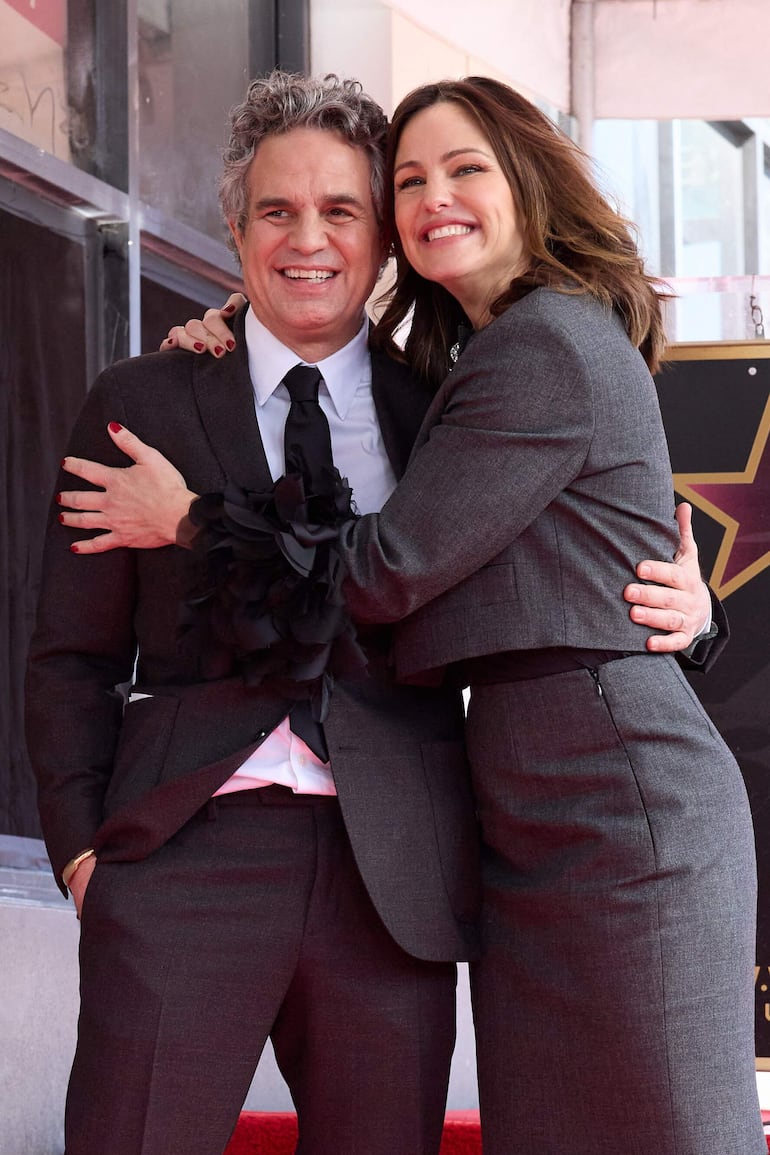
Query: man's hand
{"x": 78, "y": 884}
{"x": 680, "y": 602}
{"x": 140, "y": 506}
{"x": 212, "y": 334}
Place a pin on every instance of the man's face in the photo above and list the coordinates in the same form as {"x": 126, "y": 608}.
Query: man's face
{"x": 311, "y": 247}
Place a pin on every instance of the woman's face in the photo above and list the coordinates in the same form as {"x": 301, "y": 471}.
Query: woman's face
{"x": 454, "y": 208}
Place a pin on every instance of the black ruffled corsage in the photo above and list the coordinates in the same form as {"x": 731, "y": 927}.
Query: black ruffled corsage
{"x": 270, "y": 602}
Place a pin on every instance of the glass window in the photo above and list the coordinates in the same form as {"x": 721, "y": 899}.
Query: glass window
{"x": 764, "y": 215}
{"x": 163, "y": 307}
{"x": 626, "y": 152}
{"x": 711, "y": 169}
{"x": 42, "y": 386}
{"x": 682, "y": 183}
{"x": 33, "y": 81}
{"x": 193, "y": 67}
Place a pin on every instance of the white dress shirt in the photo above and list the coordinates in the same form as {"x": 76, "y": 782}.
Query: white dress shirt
{"x": 345, "y": 396}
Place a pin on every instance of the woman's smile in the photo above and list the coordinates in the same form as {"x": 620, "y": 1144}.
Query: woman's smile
{"x": 454, "y": 208}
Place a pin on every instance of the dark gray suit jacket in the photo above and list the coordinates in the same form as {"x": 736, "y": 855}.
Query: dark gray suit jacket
{"x": 539, "y": 480}
{"x": 124, "y": 779}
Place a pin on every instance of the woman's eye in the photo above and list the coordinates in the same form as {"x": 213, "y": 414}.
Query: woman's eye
{"x": 409, "y": 182}
{"x": 468, "y": 168}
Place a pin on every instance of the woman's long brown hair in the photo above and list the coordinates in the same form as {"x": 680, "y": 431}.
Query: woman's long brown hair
{"x": 578, "y": 242}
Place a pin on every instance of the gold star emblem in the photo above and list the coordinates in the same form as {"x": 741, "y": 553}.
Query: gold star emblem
{"x": 741, "y": 503}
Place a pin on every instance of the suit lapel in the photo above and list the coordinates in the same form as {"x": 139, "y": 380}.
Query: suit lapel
{"x": 401, "y": 403}
{"x": 225, "y": 399}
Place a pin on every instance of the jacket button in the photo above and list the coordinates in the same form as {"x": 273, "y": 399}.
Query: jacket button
{"x": 262, "y": 734}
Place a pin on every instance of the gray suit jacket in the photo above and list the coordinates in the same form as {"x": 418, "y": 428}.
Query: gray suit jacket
{"x": 539, "y": 479}
{"x": 124, "y": 779}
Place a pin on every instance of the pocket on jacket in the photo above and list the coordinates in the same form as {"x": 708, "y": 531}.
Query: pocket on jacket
{"x": 148, "y": 724}
{"x": 457, "y": 830}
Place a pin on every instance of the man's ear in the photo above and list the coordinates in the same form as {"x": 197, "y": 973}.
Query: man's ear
{"x": 236, "y": 233}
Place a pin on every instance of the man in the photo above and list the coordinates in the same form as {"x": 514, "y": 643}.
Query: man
{"x": 231, "y": 887}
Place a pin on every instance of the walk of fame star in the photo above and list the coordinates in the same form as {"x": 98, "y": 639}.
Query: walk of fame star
{"x": 741, "y": 503}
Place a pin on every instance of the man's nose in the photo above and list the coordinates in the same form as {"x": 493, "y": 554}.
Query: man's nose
{"x": 309, "y": 233}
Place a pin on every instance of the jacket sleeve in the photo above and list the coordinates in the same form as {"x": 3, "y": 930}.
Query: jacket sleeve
{"x": 82, "y": 650}
{"x": 495, "y": 457}
{"x": 703, "y": 652}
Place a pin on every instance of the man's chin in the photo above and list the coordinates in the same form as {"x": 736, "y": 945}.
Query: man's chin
{"x": 314, "y": 335}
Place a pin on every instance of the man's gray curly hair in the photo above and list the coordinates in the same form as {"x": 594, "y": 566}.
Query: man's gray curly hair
{"x": 283, "y": 101}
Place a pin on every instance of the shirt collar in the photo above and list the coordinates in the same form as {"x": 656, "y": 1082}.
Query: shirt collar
{"x": 270, "y": 361}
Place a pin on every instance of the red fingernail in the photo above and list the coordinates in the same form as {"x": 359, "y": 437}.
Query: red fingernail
{"x": 228, "y": 309}
{"x": 74, "y": 549}
{"x": 199, "y": 346}
{"x": 114, "y": 427}
{"x": 64, "y": 462}
{"x": 58, "y": 499}
{"x": 61, "y": 518}
{"x": 218, "y": 350}
{"x": 230, "y": 344}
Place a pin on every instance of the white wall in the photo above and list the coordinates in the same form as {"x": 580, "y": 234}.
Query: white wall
{"x": 392, "y": 47}
{"x": 38, "y": 1015}
{"x": 682, "y": 58}
{"x": 526, "y": 41}
{"x": 654, "y": 59}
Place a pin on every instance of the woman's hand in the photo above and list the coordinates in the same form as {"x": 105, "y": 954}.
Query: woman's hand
{"x": 680, "y": 602}
{"x": 212, "y": 334}
{"x": 140, "y": 506}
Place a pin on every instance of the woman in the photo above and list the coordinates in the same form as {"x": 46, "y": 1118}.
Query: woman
{"x": 613, "y": 1001}
{"x": 613, "y": 1005}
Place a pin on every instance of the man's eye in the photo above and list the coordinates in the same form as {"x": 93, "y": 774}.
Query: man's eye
{"x": 276, "y": 214}
{"x": 339, "y": 212}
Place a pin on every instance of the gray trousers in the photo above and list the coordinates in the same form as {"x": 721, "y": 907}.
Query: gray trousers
{"x": 614, "y": 1000}
{"x": 253, "y": 921}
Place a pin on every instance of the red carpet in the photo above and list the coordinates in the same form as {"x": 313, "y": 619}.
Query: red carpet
{"x": 266, "y": 1133}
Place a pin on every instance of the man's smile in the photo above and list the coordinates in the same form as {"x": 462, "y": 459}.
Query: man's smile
{"x": 296, "y": 274}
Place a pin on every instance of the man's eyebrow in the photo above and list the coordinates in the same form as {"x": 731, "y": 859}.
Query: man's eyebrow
{"x": 287, "y": 203}
{"x": 271, "y": 202}
{"x": 446, "y": 156}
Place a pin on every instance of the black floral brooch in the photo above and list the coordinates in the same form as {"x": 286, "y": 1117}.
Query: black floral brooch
{"x": 268, "y": 601}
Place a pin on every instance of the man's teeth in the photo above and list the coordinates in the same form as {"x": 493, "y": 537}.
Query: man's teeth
{"x": 448, "y": 231}
{"x": 308, "y": 274}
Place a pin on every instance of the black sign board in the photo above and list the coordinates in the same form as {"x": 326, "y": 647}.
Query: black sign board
{"x": 715, "y": 400}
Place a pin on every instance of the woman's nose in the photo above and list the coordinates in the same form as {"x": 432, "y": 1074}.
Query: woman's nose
{"x": 437, "y": 195}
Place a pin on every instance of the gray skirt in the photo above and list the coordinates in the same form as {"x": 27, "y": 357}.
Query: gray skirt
{"x": 614, "y": 1002}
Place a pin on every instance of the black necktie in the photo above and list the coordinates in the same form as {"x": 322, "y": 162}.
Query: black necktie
{"x": 306, "y": 438}
{"x": 308, "y": 450}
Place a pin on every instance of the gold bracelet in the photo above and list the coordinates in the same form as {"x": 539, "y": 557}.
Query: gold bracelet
{"x": 73, "y": 864}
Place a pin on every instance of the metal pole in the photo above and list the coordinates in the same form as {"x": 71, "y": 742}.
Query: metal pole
{"x": 582, "y": 69}
{"x": 134, "y": 222}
